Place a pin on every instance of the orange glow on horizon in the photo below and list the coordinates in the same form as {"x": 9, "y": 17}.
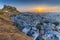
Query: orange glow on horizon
{"x": 42, "y": 9}
{"x": 47, "y": 9}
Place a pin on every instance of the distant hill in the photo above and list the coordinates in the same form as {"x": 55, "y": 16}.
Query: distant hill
{"x": 7, "y": 30}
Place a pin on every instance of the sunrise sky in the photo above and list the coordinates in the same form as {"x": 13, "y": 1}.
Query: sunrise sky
{"x": 33, "y": 5}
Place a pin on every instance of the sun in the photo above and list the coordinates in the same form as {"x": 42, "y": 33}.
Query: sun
{"x": 41, "y": 10}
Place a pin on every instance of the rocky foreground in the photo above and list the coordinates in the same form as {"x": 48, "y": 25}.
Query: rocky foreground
{"x": 7, "y": 30}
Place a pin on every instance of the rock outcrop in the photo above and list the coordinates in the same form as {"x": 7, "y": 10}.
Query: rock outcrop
{"x": 7, "y": 30}
{"x": 10, "y": 10}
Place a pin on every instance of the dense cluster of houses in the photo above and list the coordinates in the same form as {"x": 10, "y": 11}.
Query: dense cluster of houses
{"x": 38, "y": 27}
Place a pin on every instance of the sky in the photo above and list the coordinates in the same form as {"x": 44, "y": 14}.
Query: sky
{"x": 33, "y": 5}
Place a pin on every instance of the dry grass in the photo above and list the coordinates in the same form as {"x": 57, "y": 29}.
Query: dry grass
{"x": 13, "y": 36}
{"x": 10, "y": 32}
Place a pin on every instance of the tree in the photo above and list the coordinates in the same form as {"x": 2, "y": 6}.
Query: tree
{"x": 46, "y": 21}
{"x": 38, "y": 26}
{"x": 56, "y": 23}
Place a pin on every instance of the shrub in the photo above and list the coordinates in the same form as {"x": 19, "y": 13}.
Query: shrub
{"x": 1, "y": 12}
